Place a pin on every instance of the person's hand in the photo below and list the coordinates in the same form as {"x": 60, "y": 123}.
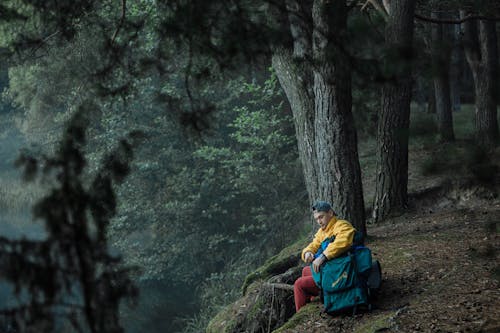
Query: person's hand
{"x": 308, "y": 257}
{"x": 318, "y": 262}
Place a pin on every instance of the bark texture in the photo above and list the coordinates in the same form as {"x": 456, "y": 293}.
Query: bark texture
{"x": 336, "y": 141}
{"x": 316, "y": 77}
{"x": 441, "y": 59}
{"x": 481, "y": 51}
{"x": 296, "y": 82}
{"x": 392, "y": 134}
{"x": 293, "y": 70}
{"x": 456, "y": 68}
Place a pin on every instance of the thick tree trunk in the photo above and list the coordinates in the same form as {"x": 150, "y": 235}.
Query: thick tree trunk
{"x": 480, "y": 44}
{"x": 393, "y": 127}
{"x": 296, "y": 82}
{"x": 336, "y": 142}
{"x": 295, "y": 75}
{"x": 441, "y": 58}
{"x": 316, "y": 78}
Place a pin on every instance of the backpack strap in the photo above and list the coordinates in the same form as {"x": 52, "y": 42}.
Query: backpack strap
{"x": 358, "y": 239}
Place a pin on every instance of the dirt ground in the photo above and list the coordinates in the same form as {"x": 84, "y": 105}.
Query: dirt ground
{"x": 441, "y": 268}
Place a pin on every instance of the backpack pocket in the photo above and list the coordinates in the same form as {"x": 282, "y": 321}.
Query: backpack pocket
{"x": 343, "y": 280}
{"x": 363, "y": 260}
{"x": 338, "y": 274}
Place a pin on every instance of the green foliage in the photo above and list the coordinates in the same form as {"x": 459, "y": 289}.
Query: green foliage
{"x": 198, "y": 213}
{"x": 380, "y": 323}
{"x": 309, "y": 311}
{"x": 70, "y": 271}
{"x": 247, "y": 197}
{"x": 276, "y": 263}
{"x": 255, "y": 163}
{"x": 18, "y": 17}
{"x": 218, "y": 290}
{"x": 55, "y": 74}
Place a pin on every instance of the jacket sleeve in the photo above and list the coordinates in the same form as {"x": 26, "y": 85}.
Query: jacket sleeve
{"x": 313, "y": 246}
{"x": 344, "y": 235}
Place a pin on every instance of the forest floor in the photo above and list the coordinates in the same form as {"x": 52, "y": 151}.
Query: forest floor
{"x": 440, "y": 258}
{"x": 440, "y": 263}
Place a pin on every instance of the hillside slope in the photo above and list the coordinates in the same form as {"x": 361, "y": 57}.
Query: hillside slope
{"x": 441, "y": 270}
{"x": 440, "y": 259}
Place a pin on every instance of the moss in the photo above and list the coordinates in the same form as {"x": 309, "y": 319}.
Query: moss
{"x": 288, "y": 257}
{"x": 377, "y": 324}
{"x": 256, "y": 309}
{"x": 223, "y": 322}
{"x": 306, "y": 313}
{"x": 236, "y": 314}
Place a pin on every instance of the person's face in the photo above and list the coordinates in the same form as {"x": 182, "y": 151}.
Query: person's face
{"x": 323, "y": 218}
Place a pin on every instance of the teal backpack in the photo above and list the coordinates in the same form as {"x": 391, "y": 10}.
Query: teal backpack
{"x": 349, "y": 281}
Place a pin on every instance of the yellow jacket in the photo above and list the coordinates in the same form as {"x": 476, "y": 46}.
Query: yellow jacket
{"x": 344, "y": 235}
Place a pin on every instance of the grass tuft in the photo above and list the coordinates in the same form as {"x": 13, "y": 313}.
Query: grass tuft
{"x": 306, "y": 313}
{"x": 288, "y": 257}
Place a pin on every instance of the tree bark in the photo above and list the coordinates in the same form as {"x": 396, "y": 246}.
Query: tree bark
{"x": 295, "y": 75}
{"x": 316, "y": 77}
{"x": 441, "y": 58}
{"x": 480, "y": 44}
{"x": 431, "y": 101}
{"x": 393, "y": 127}
{"x": 296, "y": 82}
{"x": 336, "y": 141}
{"x": 456, "y": 68}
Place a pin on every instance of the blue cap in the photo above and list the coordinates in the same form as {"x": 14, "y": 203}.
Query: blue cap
{"x": 321, "y": 206}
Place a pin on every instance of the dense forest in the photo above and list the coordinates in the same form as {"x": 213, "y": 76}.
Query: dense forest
{"x": 156, "y": 154}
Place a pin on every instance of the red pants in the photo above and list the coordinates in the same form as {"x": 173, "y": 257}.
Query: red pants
{"x": 304, "y": 287}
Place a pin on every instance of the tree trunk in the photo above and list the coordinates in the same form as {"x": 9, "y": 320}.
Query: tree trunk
{"x": 336, "y": 141}
{"x": 441, "y": 58}
{"x": 320, "y": 98}
{"x": 480, "y": 44}
{"x": 393, "y": 127}
{"x": 295, "y": 75}
{"x": 456, "y": 68}
{"x": 296, "y": 82}
{"x": 431, "y": 101}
